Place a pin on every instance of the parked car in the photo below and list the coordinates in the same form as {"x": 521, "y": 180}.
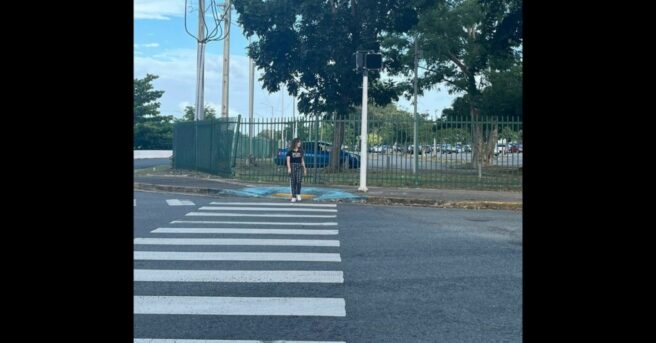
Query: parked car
{"x": 516, "y": 148}
{"x": 346, "y": 158}
{"x": 427, "y": 149}
{"x": 448, "y": 149}
{"x": 501, "y": 149}
{"x": 411, "y": 149}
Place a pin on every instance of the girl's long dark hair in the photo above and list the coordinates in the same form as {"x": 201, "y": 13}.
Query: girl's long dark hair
{"x": 293, "y": 146}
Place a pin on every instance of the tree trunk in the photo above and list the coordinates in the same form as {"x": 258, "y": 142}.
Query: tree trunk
{"x": 477, "y": 138}
{"x": 484, "y": 136}
{"x": 492, "y": 136}
{"x": 338, "y": 138}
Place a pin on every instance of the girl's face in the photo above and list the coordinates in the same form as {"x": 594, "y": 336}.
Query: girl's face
{"x": 298, "y": 144}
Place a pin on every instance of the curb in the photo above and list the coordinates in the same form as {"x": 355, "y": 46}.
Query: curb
{"x": 476, "y": 205}
{"x": 176, "y": 189}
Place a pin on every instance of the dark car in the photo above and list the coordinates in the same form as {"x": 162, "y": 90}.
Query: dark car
{"x": 411, "y": 149}
{"x": 448, "y": 149}
{"x": 346, "y": 159}
{"x": 517, "y": 148}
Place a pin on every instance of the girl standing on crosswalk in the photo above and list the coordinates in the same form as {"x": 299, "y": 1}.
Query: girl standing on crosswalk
{"x": 295, "y": 161}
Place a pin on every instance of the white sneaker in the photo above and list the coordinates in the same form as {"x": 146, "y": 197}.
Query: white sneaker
{"x": 293, "y": 199}
{"x": 298, "y": 197}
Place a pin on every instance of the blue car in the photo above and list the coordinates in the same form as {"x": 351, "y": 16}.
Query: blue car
{"x": 347, "y": 159}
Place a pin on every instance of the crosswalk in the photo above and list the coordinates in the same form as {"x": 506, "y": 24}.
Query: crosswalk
{"x": 285, "y": 255}
{"x": 178, "y": 202}
{"x": 172, "y": 202}
{"x": 227, "y": 207}
{"x": 219, "y": 341}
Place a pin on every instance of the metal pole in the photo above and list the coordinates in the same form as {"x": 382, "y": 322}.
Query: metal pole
{"x": 363, "y": 132}
{"x": 312, "y": 129}
{"x": 200, "y": 76}
{"x": 316, "y": 146}
{"x": 251, "y": 82}
{"x": 226, "y": 61}
{"x": 282, "y": 118}
{"x": 272, "y": 126}
{"x": 416, "y": 148}
{"x": 200, "y": 62}
{"x": 294, "y": 118}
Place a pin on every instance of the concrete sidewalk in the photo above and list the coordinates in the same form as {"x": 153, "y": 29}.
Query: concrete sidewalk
{"x": 444, "y": 198}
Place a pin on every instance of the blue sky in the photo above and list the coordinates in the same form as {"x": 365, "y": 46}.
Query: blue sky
{"x": 163, "y": 47}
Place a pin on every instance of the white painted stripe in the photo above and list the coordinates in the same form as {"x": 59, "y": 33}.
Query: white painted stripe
{"x": 310, "y": 276}
{"x": 211, "y": 214}
{"x": 177, "y": 202}
{"x": 272, "y": 204}
{"x": 245, "y": 231}
{"x": 240, "y": 306}
{"x": 164, "y": 340}
{"x": 253, "y": 223}
{"x": 276, "y": 209}
{"x": 238, "y": 241}
{"x": 134, "y": 202}
{"x": 236, "y": 256}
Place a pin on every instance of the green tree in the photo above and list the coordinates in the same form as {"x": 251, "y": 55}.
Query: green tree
{"x": 154, "y": 134}
{"x": 145, "y": 98}
{"x": 459, "y": 108}
{"x": 459, "y": 41}
{"x": 395, "y": 126}
{"x": 374, "y": 139}
{"x": 190, "y": 113}
{"x": 504, "y": 95}
{"x": 151, "y": 130}
{"x": 308, "y": 47}
{"x": 509, "y": 135}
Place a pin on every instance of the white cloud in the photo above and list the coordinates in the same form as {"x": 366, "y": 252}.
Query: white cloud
{"x": 172, "y": 65}
{"x": 147, "y": 45}
{"x": 181, "y": 107}
{"x": 433, "y": 101}
{"x": 215, "y": 106}
{"x": 158, "y": 9}
{"x": 177, "y": 78}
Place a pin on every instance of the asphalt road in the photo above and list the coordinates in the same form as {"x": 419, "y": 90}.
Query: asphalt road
{"x": 369, "y": 274}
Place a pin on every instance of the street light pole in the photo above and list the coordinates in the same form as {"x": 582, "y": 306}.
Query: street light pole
{"x": 294, "y": 117}
{"x": 282, "y": 117}
{"x": 416, "y": 148}
{"x": 226, "y": 62}
{"x": 200, "y": 62}
{"x": 251, "y": 77}
{"x": 200, "y": 76}
{"x": 363, "y": 134}
{"x": 365, "y": 61}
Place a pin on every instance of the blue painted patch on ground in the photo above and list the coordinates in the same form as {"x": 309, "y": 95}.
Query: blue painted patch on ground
{"x": 320, "y": 193}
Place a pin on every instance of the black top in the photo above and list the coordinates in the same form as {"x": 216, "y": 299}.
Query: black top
{"x": 295, "y": 156}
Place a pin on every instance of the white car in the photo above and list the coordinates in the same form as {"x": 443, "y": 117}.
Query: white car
{"x": 501, "y": 149}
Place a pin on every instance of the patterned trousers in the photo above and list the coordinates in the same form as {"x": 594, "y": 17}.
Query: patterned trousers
{"x": 296, "y": 178}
